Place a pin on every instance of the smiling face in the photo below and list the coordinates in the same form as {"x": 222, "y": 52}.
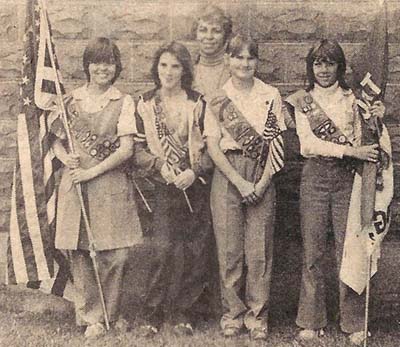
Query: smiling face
{"x": 325, "y": 72}
{"x": 242, "y": 65}
{"x": 102, "y": 74}
{"x": 170, "y": 71}
{"x": 210, "y": 36}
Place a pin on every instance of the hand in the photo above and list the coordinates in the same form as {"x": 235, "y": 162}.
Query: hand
{"x": 377, "y": 109}
{"x": 167, "y": 173}
{"x": 72, "y": 161}
{"x": 185, "y": 179}
{"x": 246, "y": 190}
{"x": 80, "y": 175}
{"x": 367, "y": 153}
{"x": 259, "y": 190}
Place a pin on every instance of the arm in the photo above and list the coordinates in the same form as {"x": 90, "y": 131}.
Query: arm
{"x": 123, "y": 153}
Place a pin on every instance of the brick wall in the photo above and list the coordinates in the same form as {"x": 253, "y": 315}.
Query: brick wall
{"x": 284, "y": 31}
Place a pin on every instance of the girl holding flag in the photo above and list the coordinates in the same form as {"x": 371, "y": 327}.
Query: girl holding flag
{"x": 101, "y": 125}
{"x": 169, "y": 152}
{"x": 329, "y": 128}
{"x": 243, "y": 130}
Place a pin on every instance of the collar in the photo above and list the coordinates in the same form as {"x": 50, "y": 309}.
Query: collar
{"x": 333, "y": 89}
{"x": 212, "y": 60}
{"x": 111, "y": 93}
{"x": 259, "y": 88}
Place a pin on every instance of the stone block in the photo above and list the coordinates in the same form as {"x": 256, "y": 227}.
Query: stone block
{"x": 8, "y": 100}
{"x": 268, "y": 67}
{"x": 71, "y": 19}
{"x": 350, "y": 22}
{"x": 138, "y": 21}
{"x": 295, "y": 21}
{"x": 392, "y": 103}
{"x": 8, "y": 21}
{"x": 394, "y": 63}
{"x": 142, "y": 57}
{"x": 295, "y": 63}
{"x": 10, "y": 61}
{"x": 393, "y": 21}
{"x": 70, "y": 53}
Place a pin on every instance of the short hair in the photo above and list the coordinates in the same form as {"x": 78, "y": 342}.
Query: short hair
{"x": 181, "y": 53}
{"x": 326, "y": 50}
{"x": 102, "y": 50}
{"x": 239, "y": 42}
{"x": 214, "y": 14}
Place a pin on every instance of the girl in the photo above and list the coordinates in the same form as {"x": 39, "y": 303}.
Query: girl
{"x": 102, "y": 126}
{"x": 329, "y": 129}
{"x": 243, "y": 193}
{"x": 170, "y": 121}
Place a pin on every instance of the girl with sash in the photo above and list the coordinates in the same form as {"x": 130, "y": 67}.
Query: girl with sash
{"x": 329, "y": 129}
{"x": 101, "y": 120}
{"x": 242, "y": 115}
{"x": 169, "y": 151}
{"x": 212, "y": 30}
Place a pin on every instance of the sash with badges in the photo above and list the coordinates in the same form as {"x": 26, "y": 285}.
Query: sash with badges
{"x": 321, "y": 125}
{"x": 95, "y": 145}
{"x": 177, "y": 155}
{"x": 250, "y": 141}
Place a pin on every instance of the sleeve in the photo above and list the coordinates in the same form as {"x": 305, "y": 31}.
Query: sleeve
{"x": 277, "y": 109}
{"x": 311, "y": 145}
{"x": 126, "y": 123}
{"x": 211, "y": 125}
{"x": 146, "y": 161}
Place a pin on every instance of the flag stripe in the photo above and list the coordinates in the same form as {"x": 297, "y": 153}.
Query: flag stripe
{"x": 17, "y": 267}
{"x": 31, "y": 212}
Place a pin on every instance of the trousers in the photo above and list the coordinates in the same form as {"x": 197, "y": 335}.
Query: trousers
{"x": 325, "y": 193}
{"x": 244, "y": 237}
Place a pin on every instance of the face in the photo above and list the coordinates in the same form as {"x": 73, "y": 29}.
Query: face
{"x": 325, "y": 72}
{"x": 243, "y": 66}
{"x": 210, "y": 36}
{"x": 170, "y": 71}
{"x": 101, "y": 73}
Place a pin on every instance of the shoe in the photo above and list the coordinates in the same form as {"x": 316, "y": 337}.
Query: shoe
{"x": 95, "y": 330}
{"x": 122, "y": 325}
{"x": 230, "y": 332}
{"x": 147, "y": 331}
{"x": 310, "y": 334}
{"x": 259, "y": 334}
{"x": 183, "y": 329}
{"x": 357, "y": 338}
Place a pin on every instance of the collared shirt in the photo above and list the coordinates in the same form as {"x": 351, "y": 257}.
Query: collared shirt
{"x": 252, "y": 105}
{"x": 338, "y": 105}
{"x": 95, "y": 103}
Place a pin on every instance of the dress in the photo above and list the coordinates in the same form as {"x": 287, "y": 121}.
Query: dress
{"x": 327, "y": 121}
{"x": 96, "y": 126}
{"x": 244, "y": 234}
{"x": 178, "y": 237}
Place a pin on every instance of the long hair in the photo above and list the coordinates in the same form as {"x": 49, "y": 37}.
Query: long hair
{"x": 102, "y": 50}
{"x": 327, "y": 50}
{"x": 214, "y": 14}
{"x": 181, "y": 53}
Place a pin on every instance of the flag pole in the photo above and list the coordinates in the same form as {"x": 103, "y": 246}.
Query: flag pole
{"x": 367, "y": 296}
{"x": 92, "y": 245}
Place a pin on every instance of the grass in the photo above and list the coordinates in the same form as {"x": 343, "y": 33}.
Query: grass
{"x": 28, "y": 318}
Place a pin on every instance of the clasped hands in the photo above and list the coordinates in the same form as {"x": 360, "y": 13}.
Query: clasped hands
{"x": 182, "y": 181}
{"x": 252, "y": 193}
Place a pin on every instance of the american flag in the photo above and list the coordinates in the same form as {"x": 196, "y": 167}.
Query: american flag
{"x": 32, "y": 257}
{"x": 273, "y": 136}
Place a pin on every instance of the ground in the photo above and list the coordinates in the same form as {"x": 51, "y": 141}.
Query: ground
{"x": 30, "y": 318}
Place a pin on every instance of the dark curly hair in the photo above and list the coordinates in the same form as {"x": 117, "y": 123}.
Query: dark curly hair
{"x": 181, "y": 53}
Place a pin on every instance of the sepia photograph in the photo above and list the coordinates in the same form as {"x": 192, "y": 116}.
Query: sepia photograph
{"x": 199, "y": 173}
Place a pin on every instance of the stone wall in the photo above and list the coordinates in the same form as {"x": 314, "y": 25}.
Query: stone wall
{"x": 284, "y": 30}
